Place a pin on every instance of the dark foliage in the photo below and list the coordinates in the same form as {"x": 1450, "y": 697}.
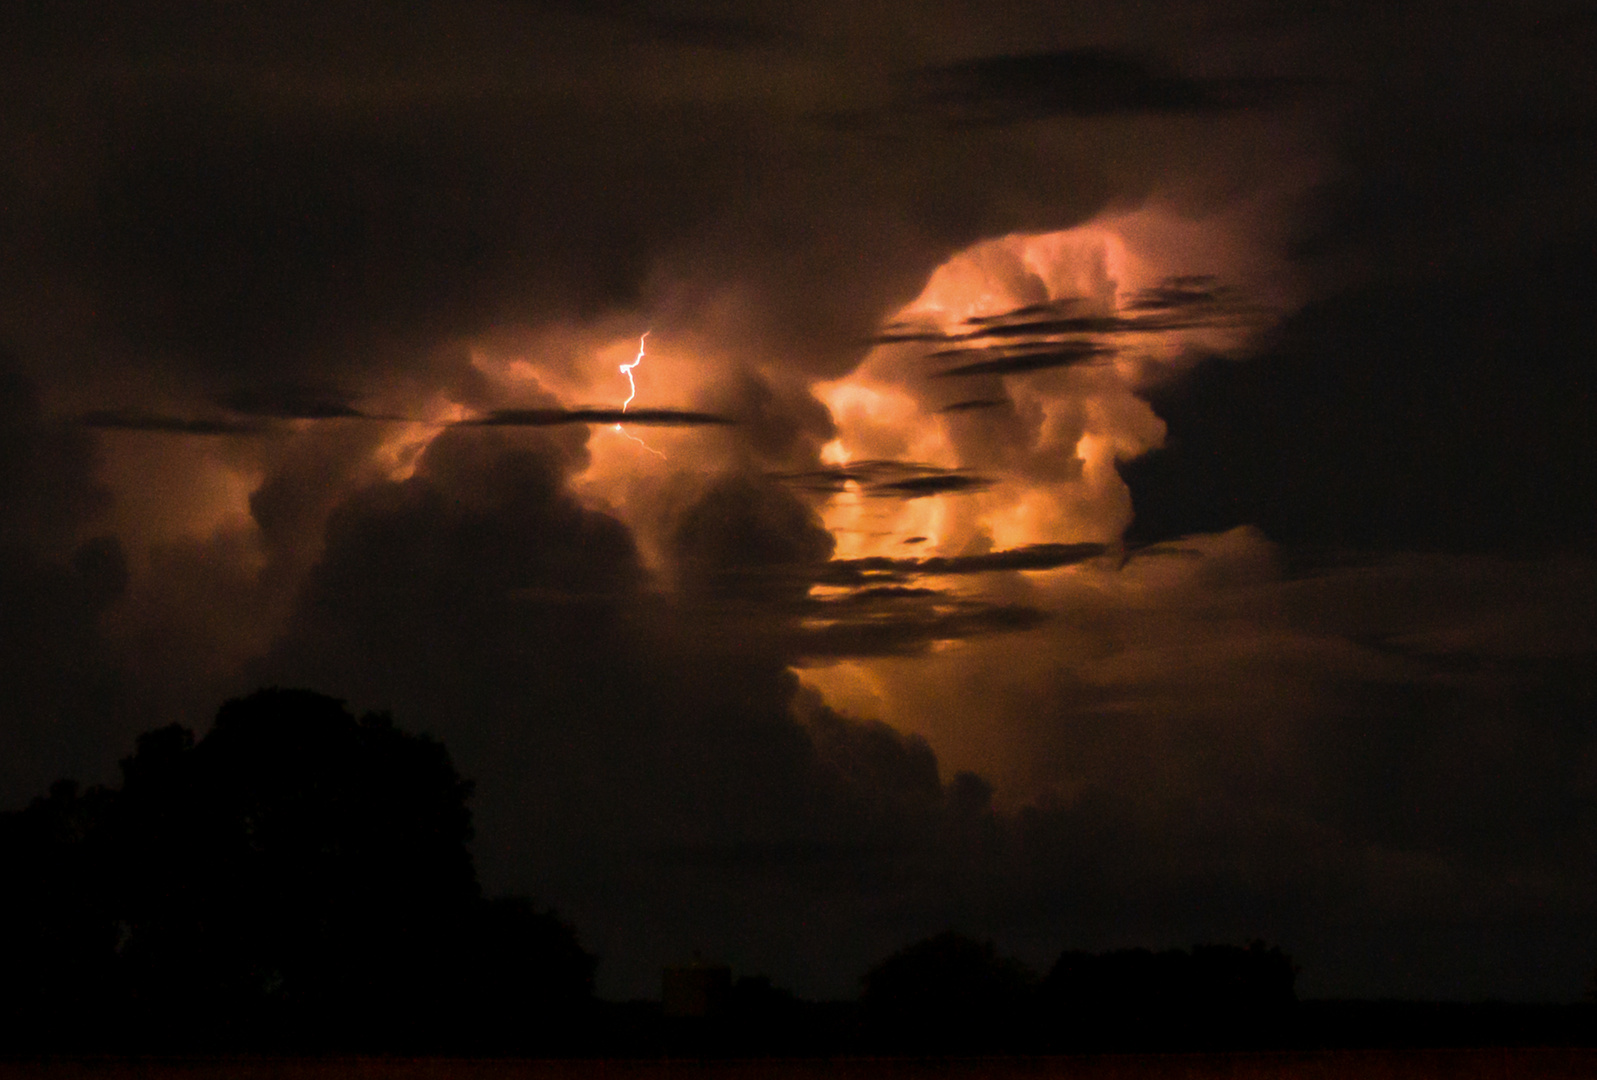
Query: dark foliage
{"x": 1213, "y": 995}
{"x": 298, "y": 879}
{"x": 951, "y": 993}
{"x": 947, "y": 993}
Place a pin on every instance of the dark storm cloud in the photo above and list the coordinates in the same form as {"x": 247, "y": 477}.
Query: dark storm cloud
{"x": 750, "y": 538}
{"x": 47, "y": 486}
{"x": 1074, "y": 83}
{"x": 1332, "y": 751}
{"x": 1443, "y": 414}
{"x": 264, "y": 217}
{"x": 1434, "y": 396}
{"x": 620, "y": 752}
{"x": 60, "y": 703}
{"x": 643, "y": 768}
{"x": 250, "y": 204}
{"x": 780, "y": 422}
{"x": 250, "y": 244}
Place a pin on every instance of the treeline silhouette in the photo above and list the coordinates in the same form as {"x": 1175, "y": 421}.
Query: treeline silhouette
{"x": 955, "y": 995}
{"x": 298, "y": 879}
{"x": 951, "y": 993}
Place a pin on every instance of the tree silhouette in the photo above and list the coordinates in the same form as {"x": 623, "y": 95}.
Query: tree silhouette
{"x": 296, "y": 858}
{"x": 58, "y": 934}
{"x": 1214, "y": 994}
{"x": 529, "y": 980}
{"x": 298, "y": 878}
{"x": 948, "y": 992}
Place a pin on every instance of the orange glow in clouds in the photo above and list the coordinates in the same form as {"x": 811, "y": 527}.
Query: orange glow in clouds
{"x": 1040, "y": 446}
{"x": 1010, "y": 384}
{"x": 1047, "y": 439}
{"x": 632, "y": 392}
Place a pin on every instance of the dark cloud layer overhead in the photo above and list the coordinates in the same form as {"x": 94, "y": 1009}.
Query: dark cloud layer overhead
{"x": 1075, "y": 83}
{"x": 1090, "y": 476}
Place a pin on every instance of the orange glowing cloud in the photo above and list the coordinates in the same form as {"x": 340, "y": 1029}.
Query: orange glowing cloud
{"x": 1021, "y": 363}
{"x": 1021, "y": 358}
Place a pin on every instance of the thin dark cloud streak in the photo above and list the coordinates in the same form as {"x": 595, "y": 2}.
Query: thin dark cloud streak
{"x": 140, "y": 420}
{"x": 255, "y": 419}
{"x": 872, "y": 607}
{"x": 974, "y": 404}
{"x": 1180, "y": 302}
{"x": 1041, "y": 337}
{"x": 1028, "y": 557}
{"x": 873, "y": 620}
{"x": 886, "y": 479}
{"x": 878, "y": 571}
{"x": 557, "y": 417}
{"x": 907, "y": 632}
{"x": 1018, "y": 362}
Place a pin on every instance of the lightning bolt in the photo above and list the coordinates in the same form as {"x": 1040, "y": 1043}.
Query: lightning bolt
{"x": 626, "y": 369}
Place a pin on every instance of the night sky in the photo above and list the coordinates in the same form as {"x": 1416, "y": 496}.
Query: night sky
{"x": 1098, "y": 475}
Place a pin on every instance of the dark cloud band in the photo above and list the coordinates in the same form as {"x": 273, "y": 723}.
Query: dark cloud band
{"x": 260, "y": 410}
{"x": 1073, "y": 83}
{"x": 1029, "y": 557}
{"x": 137, "y": 420}
{"x": 557, "y": 417}
{"x": 887, "y": 479}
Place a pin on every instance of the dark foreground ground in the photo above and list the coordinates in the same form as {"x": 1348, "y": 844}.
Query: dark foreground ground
{"x": 1498, "y": 1064}
{"x": 784, "y": 1038}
